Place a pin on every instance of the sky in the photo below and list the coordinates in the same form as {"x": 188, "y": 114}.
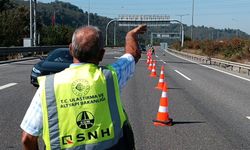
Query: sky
{"x": 220, "y": 14}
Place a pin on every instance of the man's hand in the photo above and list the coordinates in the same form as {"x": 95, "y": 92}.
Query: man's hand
{"x": 29, "y": 141}
{"x": 139, "y": 29}
{"x": 132, "y": 46}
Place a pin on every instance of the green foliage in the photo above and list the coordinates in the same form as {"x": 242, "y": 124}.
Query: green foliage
{"x": 208, "y": 33}
{"x": 56, "y": 35}
{"x": 246, "y": 50}
{"x": 176, "y": 45}
{"x": 208, "y": 47}
{"x": 14, "y": 26}
{"x": 5, "y": 5}
{"x": 68, "y": 14}
{"x": 192, "y": 44}
{"x": 14, "y": 22}
{"x": 235, "y": 49}
{"x": 187, "y": 38}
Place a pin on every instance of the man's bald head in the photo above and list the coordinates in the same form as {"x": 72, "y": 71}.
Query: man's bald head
{"x": 87, "y": 44}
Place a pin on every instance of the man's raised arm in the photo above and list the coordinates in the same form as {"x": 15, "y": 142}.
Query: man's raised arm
{"x": 132, "y": 46}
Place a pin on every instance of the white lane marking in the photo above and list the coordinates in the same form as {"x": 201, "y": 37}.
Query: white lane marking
{"x": 156, "y": 56}
{"x": 7, "y": 85}
{"x": 163, "y": 61}
{"x": 211, "y": 67}
{"x": 3, "y": 65}
{"x": 17, "y": 62}
{"x": 182, "y": 75}
{"x": 248, "y": 117}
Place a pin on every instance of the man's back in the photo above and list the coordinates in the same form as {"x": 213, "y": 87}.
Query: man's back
{"x": 97, "y": 92}
{"x": 90, "y": 96}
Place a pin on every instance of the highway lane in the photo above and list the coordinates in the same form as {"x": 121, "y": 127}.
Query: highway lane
{"x": 14, "y": 101}
{"x": 209, "y": 110}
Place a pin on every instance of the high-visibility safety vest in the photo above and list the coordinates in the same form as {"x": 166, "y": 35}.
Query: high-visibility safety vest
{"x": 81, "y": 108}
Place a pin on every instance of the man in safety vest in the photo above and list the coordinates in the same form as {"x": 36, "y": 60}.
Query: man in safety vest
{"x": 80, "y": 108}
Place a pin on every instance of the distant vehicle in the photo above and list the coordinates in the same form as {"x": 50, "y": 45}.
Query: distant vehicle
{"x": 56, "y": 61}
{"x": 143, "y": 48}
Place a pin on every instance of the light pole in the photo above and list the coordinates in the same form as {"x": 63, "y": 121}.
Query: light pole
{"x": 181, "y": 15}
{"x": 192, "y": 21}
{"x": 88, "y": 13}
{"x": 115, "y": 34}
{"x": 31, "y": 24}
{"x": 106, "y": 29}
{"x": 35, "y": 33}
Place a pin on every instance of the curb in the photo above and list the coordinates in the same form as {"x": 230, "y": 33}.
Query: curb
{"x": 17, "y": 60}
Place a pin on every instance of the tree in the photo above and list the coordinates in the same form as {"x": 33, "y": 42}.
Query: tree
{"x": 56, "y": 35}
{"x": 5, "y": 5}
{"x": 14, "y": 25}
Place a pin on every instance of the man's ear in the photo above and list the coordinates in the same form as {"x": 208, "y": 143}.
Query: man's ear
{"x": 71, "y": 49}
{"x": 101, "y": 54}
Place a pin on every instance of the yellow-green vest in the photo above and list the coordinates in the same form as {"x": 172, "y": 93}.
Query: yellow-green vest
{"x": 81, "y": 108}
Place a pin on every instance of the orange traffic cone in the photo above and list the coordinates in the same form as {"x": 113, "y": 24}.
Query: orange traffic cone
{"x": 161, "y": 79}
{"x": 153, "y": 71}
{"x": 150, "y": 66}
{"x": 149, "y": 53}
{"x": 148, "y": 60}
{"x": 162, "y": 115}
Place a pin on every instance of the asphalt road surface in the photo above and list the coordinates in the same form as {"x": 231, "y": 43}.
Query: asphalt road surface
{"x": 210, "y": 109}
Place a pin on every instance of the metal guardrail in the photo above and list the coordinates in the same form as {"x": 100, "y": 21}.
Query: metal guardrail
{"x": 15, "y": 50}
{"x": 241, "y": 68}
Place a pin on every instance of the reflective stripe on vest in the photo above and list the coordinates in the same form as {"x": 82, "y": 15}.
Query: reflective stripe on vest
{"x": 53, "y": 115}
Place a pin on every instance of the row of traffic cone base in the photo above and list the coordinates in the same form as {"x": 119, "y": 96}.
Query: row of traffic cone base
{"x": 162, "y": 118}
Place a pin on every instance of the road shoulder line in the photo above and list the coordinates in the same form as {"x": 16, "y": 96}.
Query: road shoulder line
{"x": 210, "y": 67}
